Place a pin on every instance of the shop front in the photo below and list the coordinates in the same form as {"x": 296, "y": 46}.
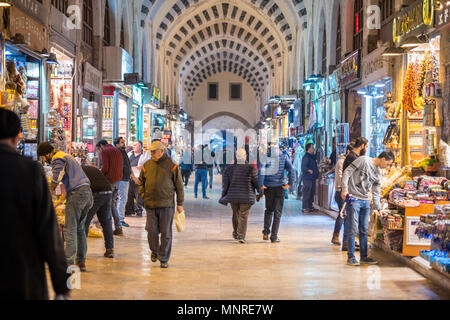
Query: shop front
{"x": 381, "y": 121}
{"x": 89, "y": 117}
{"x": 59, "y": 118}
{"x": 25, "y": 74}
{"x": 415, "y": 196}
{"x": 350, "y": 83}
{"x": 121, "y": 117}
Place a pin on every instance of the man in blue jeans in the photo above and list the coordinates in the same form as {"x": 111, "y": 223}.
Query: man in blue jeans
{"x": 361, "y": 178}
{"x": 66, "y": 170}
{"x": 124, "y": 184}
{"x": 201, "y": 169}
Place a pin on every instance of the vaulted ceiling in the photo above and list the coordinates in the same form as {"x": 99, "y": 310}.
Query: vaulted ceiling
{"x": 199, "y": 38}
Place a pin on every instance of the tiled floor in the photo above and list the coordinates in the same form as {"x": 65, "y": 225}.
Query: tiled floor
{"x": 207, "y": 264}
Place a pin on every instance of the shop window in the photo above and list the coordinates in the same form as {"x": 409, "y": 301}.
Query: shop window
{"x": 358, "y": 25}
{"x": 213, "y": 91}
{"x": 338, "y": 38}
{"x": 107, "y": 26}
{"x": 88, "y": 22}
{"x": 61, "y": 5}
{"x": 235, "y": 91}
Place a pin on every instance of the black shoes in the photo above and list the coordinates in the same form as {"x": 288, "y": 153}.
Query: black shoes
{"x": 154, "y": 257}
{"x": 164, "y": 265}
{"x": 235, "y": 236}
{"x": 275, "y": 240}
{"x": 82, "y": 267}
{"x": 118, "y": 231}
{"x": 205, "y": 198}
{"x": 109, "y": 253}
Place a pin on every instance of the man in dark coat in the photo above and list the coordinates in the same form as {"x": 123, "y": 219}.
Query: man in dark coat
{"x": 238, "y": 188}
{"x": 160, "y": 180}
{"x": 272, "y": 179}
{"x": 310, "y": 173}
{"x": 29, "y": 233}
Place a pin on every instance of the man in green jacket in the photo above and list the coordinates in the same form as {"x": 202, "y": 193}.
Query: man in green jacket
{"x": 160, "y": 179}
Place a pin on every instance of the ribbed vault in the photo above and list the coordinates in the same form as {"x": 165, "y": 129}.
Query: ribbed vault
{"x": 223, "y": 66}
{"x": 227, "y": 8}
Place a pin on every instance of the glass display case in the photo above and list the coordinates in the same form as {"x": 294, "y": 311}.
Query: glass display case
{"x": 89, "y": 124}
{"x": 123, "y": 119}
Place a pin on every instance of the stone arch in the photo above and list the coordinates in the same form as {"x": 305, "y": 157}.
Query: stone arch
{"x": 227, "y": 114}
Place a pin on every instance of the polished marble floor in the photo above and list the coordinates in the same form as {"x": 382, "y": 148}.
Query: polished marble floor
{"x": 207, "y": 264}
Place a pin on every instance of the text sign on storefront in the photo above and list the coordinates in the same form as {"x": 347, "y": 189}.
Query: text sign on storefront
{"x": 350, "y": 70}
{"x": 33, "y": 31}
{"x": 32, "y": 8}
{"x": 92, "y": 79}
{"x": 374, "y": 67}
{"x": 421, "y": 13}
{"x": 443, "y": 15}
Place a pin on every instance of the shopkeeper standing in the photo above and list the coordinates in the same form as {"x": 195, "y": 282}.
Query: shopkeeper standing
{"x": 66, "y": 169}
{"x": 29, "y": 233}
{"x": 135, "y": 204}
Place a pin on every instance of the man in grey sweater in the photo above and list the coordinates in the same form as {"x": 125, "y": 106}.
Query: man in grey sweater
{"x": 363, "y": 175}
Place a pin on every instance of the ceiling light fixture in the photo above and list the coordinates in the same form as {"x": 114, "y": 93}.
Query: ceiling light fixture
{"x": 393, "y": 52}
{"x": 412, "y": 42}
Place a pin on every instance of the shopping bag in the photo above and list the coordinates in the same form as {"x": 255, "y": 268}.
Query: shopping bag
{"x": 180, "y": 221}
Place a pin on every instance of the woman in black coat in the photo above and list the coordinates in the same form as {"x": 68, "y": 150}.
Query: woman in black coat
{"x": 239, "y": 186}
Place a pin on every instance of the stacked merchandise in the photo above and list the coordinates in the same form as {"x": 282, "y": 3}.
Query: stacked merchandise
{"x": 390, "y": 225}
{"x": 80, "y": 152}
{"x": 419, "y": 190}
{"x": 23, "y": 95}
{"x": 436, "y": 227}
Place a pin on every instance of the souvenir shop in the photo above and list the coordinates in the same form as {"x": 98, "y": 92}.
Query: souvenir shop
{"x": 415, "y": 218}
{"x": 120, "y": 110}
{"x": 24, "y": 76}
{"x": 89, "y": 112}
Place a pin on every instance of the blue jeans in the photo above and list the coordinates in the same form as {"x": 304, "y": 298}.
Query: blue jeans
{"x": 123, "y": 198}
{"x": 79, "y": 202}
{"x": 115, "y": 213}
{"x": 359, "y": 215}
{"x": 102, "y": 207}
{"x": 201, "y": 174}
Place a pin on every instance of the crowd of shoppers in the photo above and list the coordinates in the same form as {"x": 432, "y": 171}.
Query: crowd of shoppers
{"x": 128, "y": 183}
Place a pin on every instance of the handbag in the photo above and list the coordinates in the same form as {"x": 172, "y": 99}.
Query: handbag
{"x": 180, "y": 221}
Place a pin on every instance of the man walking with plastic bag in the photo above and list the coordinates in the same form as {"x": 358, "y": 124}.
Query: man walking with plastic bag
{"x": 160, "y": 179}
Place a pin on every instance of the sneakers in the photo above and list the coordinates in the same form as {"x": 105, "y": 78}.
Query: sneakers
{"x": 118, "y": 231}
{"x": 369, "y": 261}
{"x": 154, "y": 257}
{"x": 109, "y": 253}
{"x": 242, "y": 240}
{"x": 353, "y": 262}
{"x": 82, "y": 267}
{"x": 124, "y": 224}
{"x": 205, "y": 198}
{"x": 335, "y": 239}
{"x": 266, "y": 237}
{"x": 235, "y": 236}
{"x": 164, "y": 265}
{"x": 277, "y": 240}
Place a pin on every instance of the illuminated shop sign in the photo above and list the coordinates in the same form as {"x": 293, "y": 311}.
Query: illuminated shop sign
{"x": 421, "y": 13}
{"x": 156, "y": 97}
{"x": 443, "y": 15}
{"x": 350, "y": 70}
